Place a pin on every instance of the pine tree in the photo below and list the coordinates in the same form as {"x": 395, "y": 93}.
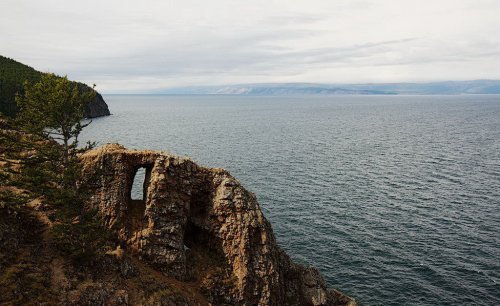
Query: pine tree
{"x": 54, "y": 107}
{"x": 41, "y": 149}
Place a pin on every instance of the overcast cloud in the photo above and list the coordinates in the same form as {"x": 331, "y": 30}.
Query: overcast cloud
{"x": 140, "y": 45}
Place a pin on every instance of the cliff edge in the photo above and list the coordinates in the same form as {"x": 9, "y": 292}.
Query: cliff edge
{"x": 97, "y": 108}
{"x": 201, "y": 227}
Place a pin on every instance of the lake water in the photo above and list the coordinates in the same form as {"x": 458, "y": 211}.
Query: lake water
{"x": 396, "y": 199}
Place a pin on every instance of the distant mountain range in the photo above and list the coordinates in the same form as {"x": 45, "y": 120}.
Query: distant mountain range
{"x": 276, "y": 89}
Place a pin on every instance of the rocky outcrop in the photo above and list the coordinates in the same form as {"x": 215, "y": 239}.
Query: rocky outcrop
{"x": 97, "y": 108}
{"x": 201, "y": 226}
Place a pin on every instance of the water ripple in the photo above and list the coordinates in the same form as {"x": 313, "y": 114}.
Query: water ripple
{"x": 395, "y": 199}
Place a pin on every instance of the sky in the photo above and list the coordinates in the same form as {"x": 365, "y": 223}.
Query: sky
{"x": 124, "y": 45}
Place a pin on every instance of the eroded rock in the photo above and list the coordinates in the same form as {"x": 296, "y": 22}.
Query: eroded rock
{"x": 199, "y": 225}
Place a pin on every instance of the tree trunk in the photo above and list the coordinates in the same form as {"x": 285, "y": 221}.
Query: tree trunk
{"x": 66, "y": 153}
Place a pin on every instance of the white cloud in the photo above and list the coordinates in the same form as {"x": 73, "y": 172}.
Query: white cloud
{"x": 123, "y": 45}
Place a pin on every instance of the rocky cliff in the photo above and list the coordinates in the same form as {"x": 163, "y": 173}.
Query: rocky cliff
{"x": 97, "y": 108}
{"x": 200, "y": 226}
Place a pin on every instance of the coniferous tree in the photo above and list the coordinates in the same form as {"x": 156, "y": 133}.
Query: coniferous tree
{"x": 42, "y": 148}
{"x": 54, "y": 107}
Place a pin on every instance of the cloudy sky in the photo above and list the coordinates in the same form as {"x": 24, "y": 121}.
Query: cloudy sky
{"x": 148, "y": 44}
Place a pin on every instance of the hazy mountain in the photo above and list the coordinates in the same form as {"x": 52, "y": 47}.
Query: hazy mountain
{"x": 271, "y": 89}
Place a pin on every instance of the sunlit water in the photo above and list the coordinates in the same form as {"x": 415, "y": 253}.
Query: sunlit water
{"x": 395, "y": 199}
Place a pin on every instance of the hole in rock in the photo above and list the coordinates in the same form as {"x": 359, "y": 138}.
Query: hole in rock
{"x": 204, "y": 255}
{"x": 136, "y": 205}
{"x": 195, "y": 237}
{"x": 140, "y": 184}
{"x": 194, "y": 233}
{"x": 201, "y": 256}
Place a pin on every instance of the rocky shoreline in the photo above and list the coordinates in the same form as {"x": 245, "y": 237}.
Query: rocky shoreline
{"x": 200, "y": 226}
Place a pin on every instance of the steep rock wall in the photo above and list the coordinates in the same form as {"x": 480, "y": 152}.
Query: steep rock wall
{"x": 97, "y": 108}
{"x": 199, "y": 225}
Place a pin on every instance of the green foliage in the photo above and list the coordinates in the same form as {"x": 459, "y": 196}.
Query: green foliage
{"x": 12, "y": 201}
{"x": 77, "y": 232}
{"x": 13, "y": 75}
{"x": 81, "y": 237}
{"x": 30, "y": 162}
{"x": 54, "y": 107}
{"x": 40, "y": 152}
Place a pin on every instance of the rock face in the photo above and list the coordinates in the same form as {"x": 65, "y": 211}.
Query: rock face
{"x": 199, "y": 225}
{"x": 97, "y": 108}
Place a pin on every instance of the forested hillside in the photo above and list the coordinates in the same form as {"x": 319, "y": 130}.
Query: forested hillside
{"x": 12, "y": 76}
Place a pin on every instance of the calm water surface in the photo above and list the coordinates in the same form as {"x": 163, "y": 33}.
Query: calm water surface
{"x": 396, "y": 199}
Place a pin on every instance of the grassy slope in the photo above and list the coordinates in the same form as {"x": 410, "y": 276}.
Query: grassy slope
{"x": 34, "y": 272}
